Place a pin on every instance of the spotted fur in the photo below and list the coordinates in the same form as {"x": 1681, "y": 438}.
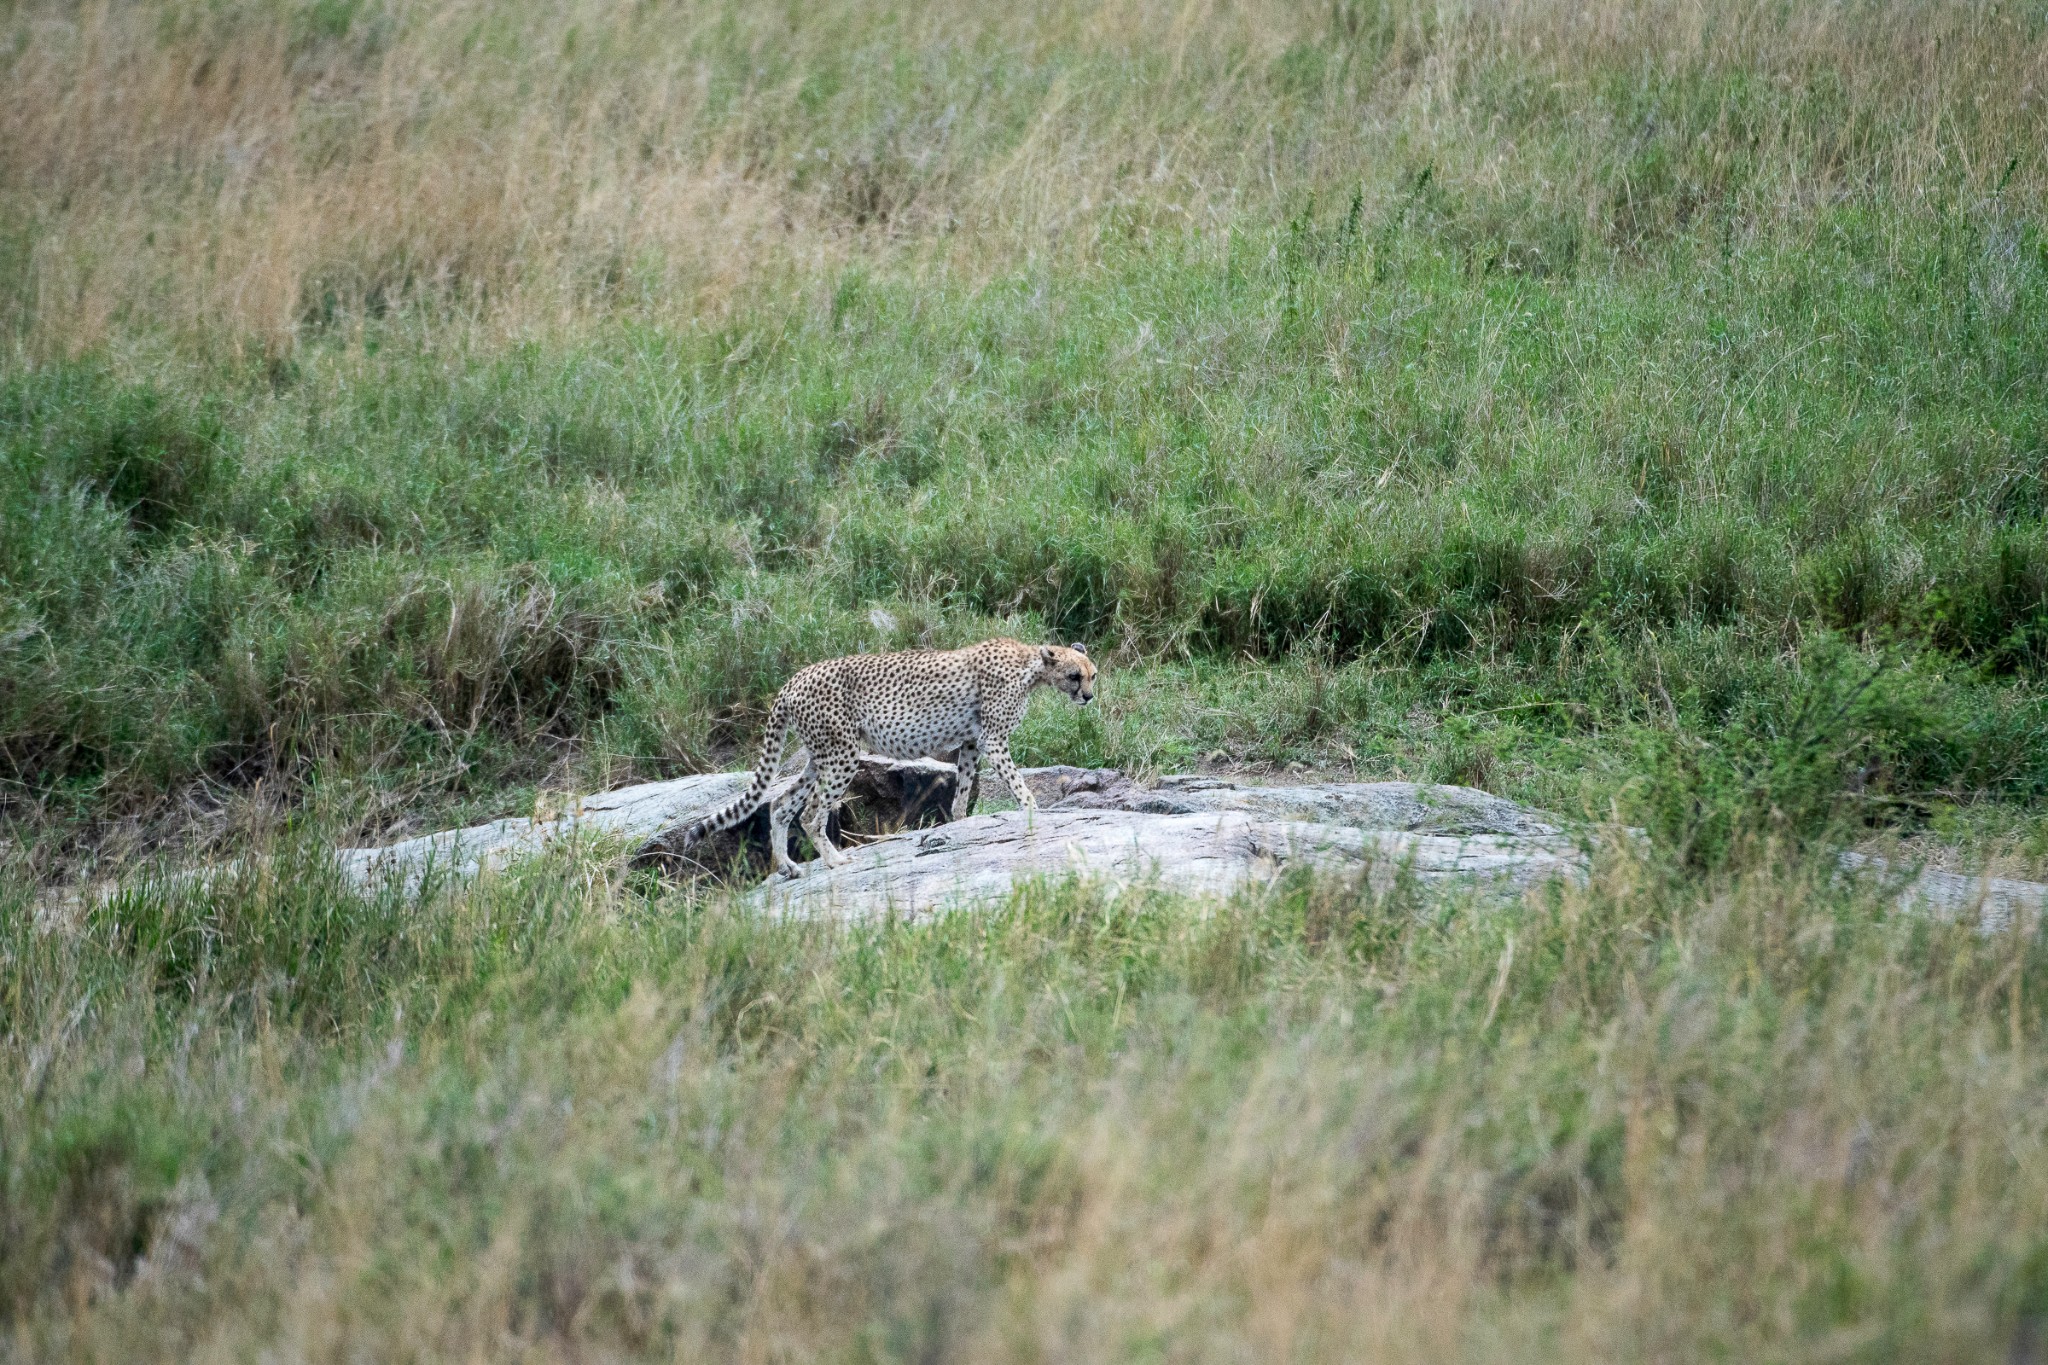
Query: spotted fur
{"x": 910, "y": 705}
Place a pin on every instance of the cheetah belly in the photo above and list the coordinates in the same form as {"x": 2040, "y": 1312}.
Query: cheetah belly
{"x": 915, "y": 736}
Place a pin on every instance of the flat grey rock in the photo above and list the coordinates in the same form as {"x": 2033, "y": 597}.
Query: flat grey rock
{"x": 635, "y": 813}
{"x": 1210, "y": 852}
{"x": 639, "y": 815}
{"x": 1193, "y": 833}
{"x": 1994, "y": 903}
{"x": 1407, "y": 806}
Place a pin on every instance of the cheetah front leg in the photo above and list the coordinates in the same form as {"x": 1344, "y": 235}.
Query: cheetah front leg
{"x": 1005, "y": 768}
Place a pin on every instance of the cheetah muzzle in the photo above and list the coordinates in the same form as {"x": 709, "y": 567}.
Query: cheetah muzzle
{"x": 909, "y": 705}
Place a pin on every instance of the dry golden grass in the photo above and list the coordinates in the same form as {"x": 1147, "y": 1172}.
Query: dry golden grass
{"x": 233, "y": 171}
{"x": 1762, "y": 1119}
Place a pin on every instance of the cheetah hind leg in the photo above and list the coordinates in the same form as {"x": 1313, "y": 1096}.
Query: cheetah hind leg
{"x": 796, "y": 799}
{"x": 834, "y": 779}
{"x": 967, "y": 780}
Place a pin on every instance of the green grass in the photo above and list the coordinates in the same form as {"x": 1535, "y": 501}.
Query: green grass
{"x": 407, "y": 559}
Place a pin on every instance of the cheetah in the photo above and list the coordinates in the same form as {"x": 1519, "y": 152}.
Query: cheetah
{"x": 908, "y": 705}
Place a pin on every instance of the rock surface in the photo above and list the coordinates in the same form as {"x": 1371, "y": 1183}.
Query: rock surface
{"x": 1410, "y": 806}
{"x": 1206, "y": 852}
{"x": 636, "y": 813}
{"x": 886, "y": 796}
{"x": 1191, "y": 833}
{"x": 1995, "y": 903}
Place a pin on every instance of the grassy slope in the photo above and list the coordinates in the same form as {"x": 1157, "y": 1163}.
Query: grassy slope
{"x": 1637, "y": 408}
{"x": 1495, "y": 492}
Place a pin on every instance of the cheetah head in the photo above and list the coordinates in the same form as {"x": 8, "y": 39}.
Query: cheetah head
{"x": 1069, "y": 670}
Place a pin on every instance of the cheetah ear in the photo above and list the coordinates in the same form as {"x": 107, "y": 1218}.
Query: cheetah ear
{"x": 1045, "y": 654}
{"x": 1078, "y": 648}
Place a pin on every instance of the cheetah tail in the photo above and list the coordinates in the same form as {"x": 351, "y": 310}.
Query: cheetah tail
{"x": 748, "y": 801}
